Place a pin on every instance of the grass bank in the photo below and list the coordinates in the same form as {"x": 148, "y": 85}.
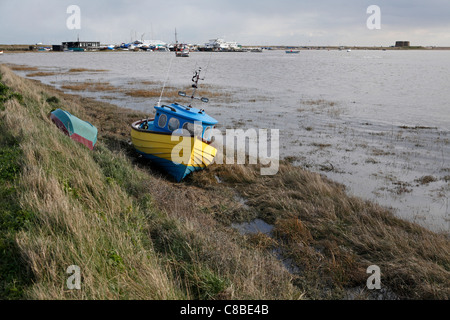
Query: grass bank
{"x": 135, "y": 234}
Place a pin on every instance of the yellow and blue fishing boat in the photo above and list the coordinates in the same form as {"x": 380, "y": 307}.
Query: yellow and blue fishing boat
{"x": 178, "y": 138}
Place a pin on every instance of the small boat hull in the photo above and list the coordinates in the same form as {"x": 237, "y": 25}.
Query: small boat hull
{"x": 178, "y": 155}
{"x": 77, "y": 129}
{"x": 182, "y": 54}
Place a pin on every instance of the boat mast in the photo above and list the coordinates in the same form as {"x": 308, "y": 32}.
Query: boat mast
{"x": 176, "y": 42}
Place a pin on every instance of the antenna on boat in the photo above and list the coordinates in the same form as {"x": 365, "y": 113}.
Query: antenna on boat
{"x": 195, "y": 80}
{"x": 165, "y": 81}
{"x": 207, "y": 66}
{"x": 164, "y": 84}
{"x": 176, "y": 42}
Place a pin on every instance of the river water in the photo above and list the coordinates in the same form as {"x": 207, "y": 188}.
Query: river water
{"x": 376, "y": 121}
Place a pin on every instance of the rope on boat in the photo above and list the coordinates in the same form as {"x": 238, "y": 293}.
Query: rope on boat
{"x": 165, "y": 81}
{"x": 207, "y": 66}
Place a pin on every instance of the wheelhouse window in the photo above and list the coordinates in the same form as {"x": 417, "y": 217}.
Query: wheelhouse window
{"x": 207, "y": 134}
{"x": 198, "y": 130}
{"x": 174, "y": 124}
{"x": 189, "y": 127}
{"x": 162, "y": 121}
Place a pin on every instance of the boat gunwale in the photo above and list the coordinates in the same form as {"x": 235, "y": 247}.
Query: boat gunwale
{"x": 135, "y": 124}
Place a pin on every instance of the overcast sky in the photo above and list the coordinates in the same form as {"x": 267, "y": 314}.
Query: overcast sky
{"x": 248, "y": 22}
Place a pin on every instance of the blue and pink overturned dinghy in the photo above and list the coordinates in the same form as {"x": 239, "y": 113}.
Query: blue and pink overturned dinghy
{"x": 77, "y": 129}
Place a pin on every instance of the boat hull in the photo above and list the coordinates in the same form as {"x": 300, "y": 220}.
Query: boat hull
{"x": 77, "y": 129}
{"x": 176, "y": 154}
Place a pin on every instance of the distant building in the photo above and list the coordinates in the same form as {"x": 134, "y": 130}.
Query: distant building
{"x": 57, "y": 47}
{"x": 81, "y": 45}
{"x": 399, "y": 44}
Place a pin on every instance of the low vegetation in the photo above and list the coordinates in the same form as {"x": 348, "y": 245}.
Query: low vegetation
{"x": 135, "y": 234}
{"x": 41, "y": 74}
{"x": 94, "y": 86}
{"x": 318, "y": 102}
{"x": 76, "y": 70}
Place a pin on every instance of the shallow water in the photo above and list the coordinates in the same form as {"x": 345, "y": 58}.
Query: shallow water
{"x": 376, "y": 121}
{"x": 253, "y": 227}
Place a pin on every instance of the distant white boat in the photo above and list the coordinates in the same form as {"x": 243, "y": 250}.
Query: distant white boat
{"x": 1, "y": 52}
{"x": 161, "y": 49}
{"x": 292, "y": 51}
{"x": 222, "y": 45}
{"x": 349, "y": 50}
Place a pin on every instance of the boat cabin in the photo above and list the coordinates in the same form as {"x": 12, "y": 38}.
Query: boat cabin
{"x": 178, "y": 119}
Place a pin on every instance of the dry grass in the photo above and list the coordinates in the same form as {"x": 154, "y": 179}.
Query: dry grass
{"x": 321, "y": 145}
{"x": 318, "y": 102}
{"x": 333, "y": 238}
{"x": 133, "y": 233}
{"x": 80, "y": 219}
{"x": 89, "y": 86}
{"x": 151, "y": 93}
{"x": 425, "y": 180}
{"x": 86, "y": 70}
{"x": 41, "y": 74}
{"x": 171, "y": 92}
{"x": 22, "y": 68}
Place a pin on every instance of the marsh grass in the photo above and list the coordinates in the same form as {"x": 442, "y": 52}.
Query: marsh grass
{"x": 319, "y": 102}
{"x": 426, "y": 180}
{"x": 137, "y": 234}
{"x": 332, "y": 237}
{"x": 155, "y": 92}
{"x": 41, "y": 74}
{"x": 23, "y": 68}
{"x": 77, "y": 70}
{"x": 89, "y": 86}
{"x": 172, "y": 92}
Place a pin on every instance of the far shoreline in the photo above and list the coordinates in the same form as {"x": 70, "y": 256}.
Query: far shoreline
{"x": 22, "y": 48}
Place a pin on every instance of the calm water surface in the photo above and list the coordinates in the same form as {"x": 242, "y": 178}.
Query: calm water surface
{"x": 376, "y": 121}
